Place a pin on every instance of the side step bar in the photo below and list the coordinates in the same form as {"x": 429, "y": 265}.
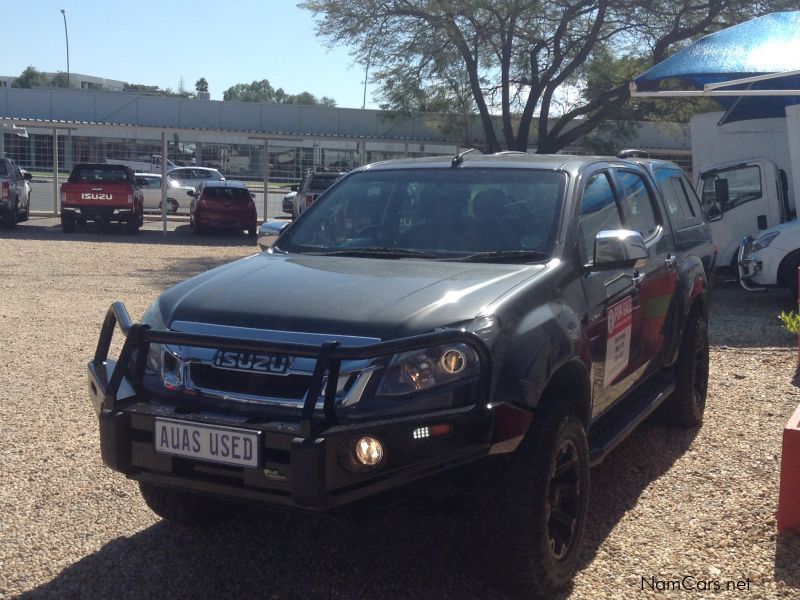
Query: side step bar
{"x": 613, "y": 428}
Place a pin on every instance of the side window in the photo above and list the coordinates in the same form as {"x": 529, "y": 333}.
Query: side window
{"x": 691, "y": 195}
{"x": 676, "y": 198}
{"x": 599, "y": 212}
{"x": 637, "y": 203}
{"x": 744, "y": 185}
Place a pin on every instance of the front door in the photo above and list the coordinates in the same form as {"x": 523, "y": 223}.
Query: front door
{"x": 613, "y": 310}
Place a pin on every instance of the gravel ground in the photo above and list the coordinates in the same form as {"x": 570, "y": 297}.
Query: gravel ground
{"x": 665, "y": 505}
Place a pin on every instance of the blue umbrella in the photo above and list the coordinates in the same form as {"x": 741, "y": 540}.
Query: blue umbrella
{"x": 752, "y": 69}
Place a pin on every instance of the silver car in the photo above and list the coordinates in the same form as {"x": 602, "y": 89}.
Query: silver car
{"x": 150, "y": 185}
{"x": 193, "y": 176}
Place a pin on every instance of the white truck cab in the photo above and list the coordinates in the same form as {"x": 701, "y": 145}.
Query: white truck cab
{"x": 742, "y": 198}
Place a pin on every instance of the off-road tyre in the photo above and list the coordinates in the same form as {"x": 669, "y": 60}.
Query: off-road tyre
{"x": 685, "y": 407}
{"x": 187, "y": 508}
{"x": 530, "y": 508}
{"x": 11, "y": 218}
{"x": 67, "y": 223}
{"x": 132, "y": 224}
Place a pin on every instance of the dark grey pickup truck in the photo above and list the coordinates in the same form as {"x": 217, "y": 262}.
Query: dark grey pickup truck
{"x": 515, "y": 313}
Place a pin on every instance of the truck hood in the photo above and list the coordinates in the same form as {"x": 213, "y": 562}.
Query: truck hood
{"x": 369, "y": 297}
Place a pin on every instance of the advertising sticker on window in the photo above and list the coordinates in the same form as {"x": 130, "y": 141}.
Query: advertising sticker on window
{"x": 618, "y": 345}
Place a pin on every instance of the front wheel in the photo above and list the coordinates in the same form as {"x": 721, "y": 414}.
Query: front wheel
{"x": 532, "y": 511}
{"x": 187, "y": 508}
{"x": 26, "y": 214}
{"x": 687, "y": 404}
{"x": 172, "y": 206}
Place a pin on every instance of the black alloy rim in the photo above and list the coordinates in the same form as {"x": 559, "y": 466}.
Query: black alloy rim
{"x": 564, "y": 500}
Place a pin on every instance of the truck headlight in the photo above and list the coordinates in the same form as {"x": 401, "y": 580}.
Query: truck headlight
{"x": 162, "y": 359}
{"x": 424, "y": 369}
{"x": 764, "y": 241}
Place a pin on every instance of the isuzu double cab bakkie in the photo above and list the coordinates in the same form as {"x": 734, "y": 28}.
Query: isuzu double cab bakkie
{"x": 514, "y": 313}
{"x": 101, "y": 193}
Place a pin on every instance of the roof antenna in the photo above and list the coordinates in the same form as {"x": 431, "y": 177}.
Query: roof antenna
{"x": 460, "y": 157}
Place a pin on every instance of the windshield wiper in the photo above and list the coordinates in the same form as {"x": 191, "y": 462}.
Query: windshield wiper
{"x": 379, "y": 251}
{"x": 501, "y": 255}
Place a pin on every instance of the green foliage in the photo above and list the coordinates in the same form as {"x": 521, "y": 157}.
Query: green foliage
{"x": 60, "y": 79}
{"x": 201, "y": 85}
{"x": 31, "y": 78}
{"x": 154, "y": 90}
{"x": 791, "y": 321}
{"x": 553, "y": 70}
{"x": 263, "y": 92}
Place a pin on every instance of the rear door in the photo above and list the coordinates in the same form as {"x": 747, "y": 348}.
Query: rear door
{"x": 655, "y": 280}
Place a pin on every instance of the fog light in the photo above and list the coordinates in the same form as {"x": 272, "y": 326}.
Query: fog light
{"x": 369, "y": 451}
{"x": 421, "y": 432}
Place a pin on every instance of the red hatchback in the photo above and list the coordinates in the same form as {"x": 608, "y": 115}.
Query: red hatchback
{"x": 223, "y": 205}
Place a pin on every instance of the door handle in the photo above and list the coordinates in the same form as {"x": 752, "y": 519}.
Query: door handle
{"x": 671, "y": 261}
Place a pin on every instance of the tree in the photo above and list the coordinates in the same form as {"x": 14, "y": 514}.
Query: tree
{"x": 257, "y": 91}
{"x": 522, "y": 59}
{"x": 262, "y": 91}
{"x": 60, "y": 79}
{"x": 31, "y": 78}
{"x": 201, "y": 85}
{"x": 154, "y": 90}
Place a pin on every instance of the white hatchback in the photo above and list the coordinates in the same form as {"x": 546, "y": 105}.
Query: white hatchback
{"x": 177, "y": 196}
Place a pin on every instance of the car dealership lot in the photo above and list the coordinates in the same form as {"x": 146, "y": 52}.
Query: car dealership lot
{"x": 698, "y": 504}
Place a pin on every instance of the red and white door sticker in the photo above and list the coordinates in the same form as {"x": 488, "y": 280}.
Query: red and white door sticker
{"x": 618, "y": 345}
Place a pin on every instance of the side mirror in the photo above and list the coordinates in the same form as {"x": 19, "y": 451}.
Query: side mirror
{"x": 191, "y": 193}
{"x": 295, "y": 188}
{"x": 269, "y": 231}
{"x": 27, "y": 176}
{"x": 618, "y": 249}
{"x": 721, "y": 192}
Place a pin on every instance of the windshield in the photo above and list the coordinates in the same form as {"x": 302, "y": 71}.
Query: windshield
{"x": 320, "y": 183}
{"x": 442, "y": 214}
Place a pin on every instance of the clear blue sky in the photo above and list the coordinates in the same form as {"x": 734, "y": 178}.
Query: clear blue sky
{"x": 158, "y": 42}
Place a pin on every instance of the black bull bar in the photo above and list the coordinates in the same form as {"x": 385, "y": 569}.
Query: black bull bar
{"x": 329, "y": 356}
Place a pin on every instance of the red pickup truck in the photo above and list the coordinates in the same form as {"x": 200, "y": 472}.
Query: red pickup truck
{"x": 101, "y": 193}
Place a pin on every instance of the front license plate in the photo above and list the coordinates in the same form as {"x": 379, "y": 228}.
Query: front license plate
{"x": 212, "y": 443}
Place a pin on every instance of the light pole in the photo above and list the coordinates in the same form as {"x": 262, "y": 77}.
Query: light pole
{"x": 66, "y": 36}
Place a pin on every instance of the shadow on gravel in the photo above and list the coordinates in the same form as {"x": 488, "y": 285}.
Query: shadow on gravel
{"x": 403, "y": 553}
{"x": 787, "y": 559}
{"x": 180, "y": 235}
{"x": 268, "y": 554}
{"x": 617, "y": 483}
{"x": 178, "y": 270}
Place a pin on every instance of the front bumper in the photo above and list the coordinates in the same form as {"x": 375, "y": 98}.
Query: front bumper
{"x": 306, "y": 461}
{"x": 758, "y": 270}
